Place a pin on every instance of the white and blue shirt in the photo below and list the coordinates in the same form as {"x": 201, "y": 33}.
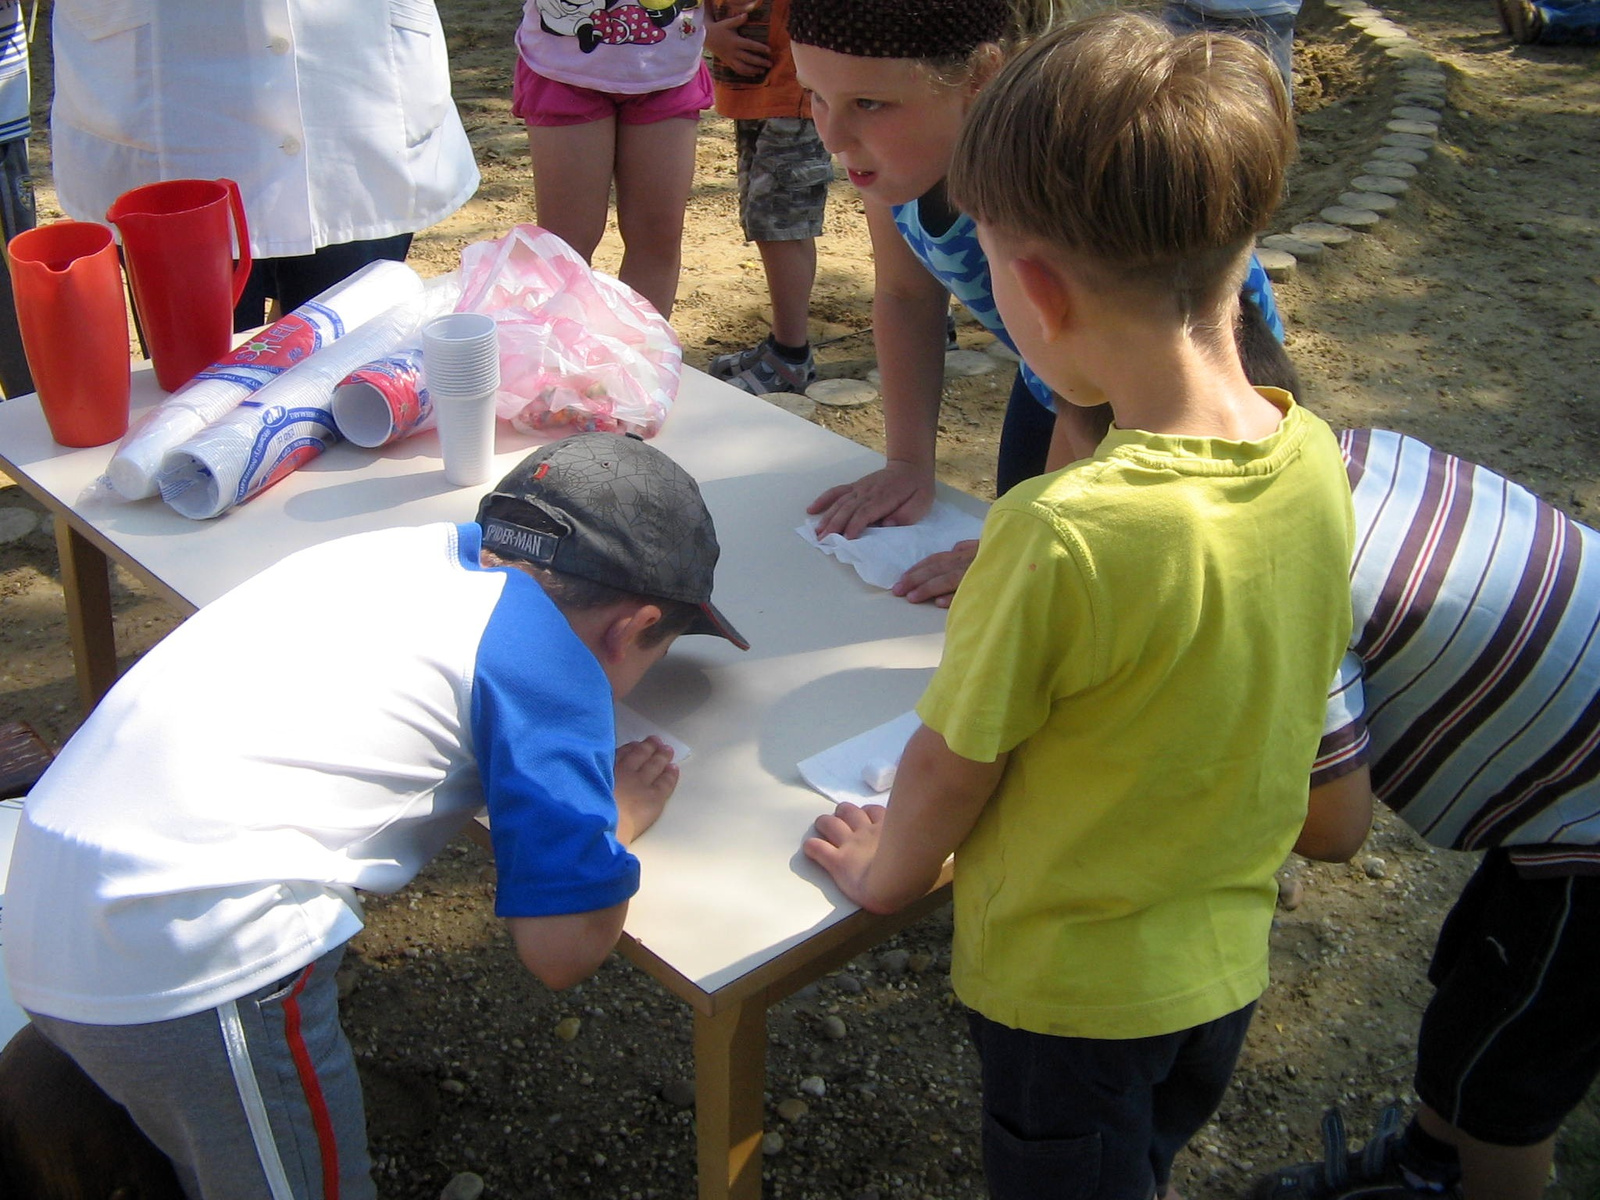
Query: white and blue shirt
{"x": 323, "y": 729}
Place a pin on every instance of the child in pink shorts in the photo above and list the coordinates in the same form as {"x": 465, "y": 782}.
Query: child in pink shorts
{"x": 613, "y": 91}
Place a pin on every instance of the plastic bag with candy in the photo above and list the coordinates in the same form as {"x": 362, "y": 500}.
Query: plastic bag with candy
{"x": 579, "y": 351}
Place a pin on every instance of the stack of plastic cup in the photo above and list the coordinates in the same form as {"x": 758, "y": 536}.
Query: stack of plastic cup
{"x": 461, "y": 362}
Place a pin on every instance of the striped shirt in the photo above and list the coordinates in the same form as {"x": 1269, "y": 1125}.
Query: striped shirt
{"x": 1470, "y": 688}
{"x": 14, "y": 121}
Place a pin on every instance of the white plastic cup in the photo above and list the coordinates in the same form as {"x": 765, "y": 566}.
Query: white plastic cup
{"x": 460, "y": 355}
{"x": 466, "y": 437}
{"x": 461, "y": 363}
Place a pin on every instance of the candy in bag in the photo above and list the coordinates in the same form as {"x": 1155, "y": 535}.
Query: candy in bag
{"x": 579, "y": 351}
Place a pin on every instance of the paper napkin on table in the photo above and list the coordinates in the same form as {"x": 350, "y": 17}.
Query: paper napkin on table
{"x": 884, "y": 553}
{"x": 837, "y": 772}
{"x": 631, "y": 727}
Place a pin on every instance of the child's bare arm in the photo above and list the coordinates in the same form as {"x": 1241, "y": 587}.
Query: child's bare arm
{"x": 883, "y": 859}
{"x": 908, "y": 313}
{"x": 1337, "y": 818}
{"x": 567, "y": 949}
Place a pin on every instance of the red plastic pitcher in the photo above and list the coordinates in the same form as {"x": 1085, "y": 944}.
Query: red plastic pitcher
{"x": 178, "y": 245}
{"x": 74, "y": 328}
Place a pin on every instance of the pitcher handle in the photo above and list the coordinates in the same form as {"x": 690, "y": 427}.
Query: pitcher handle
{"x": 241, "y": 230}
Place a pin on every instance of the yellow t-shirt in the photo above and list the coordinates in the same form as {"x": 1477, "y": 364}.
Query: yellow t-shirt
{"x": 1151, "y": 633}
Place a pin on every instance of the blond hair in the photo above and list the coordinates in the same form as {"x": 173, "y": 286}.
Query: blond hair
{"x": 1156, "y": 155}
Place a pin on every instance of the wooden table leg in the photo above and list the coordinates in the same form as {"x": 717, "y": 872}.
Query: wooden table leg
{"x": 86, "y": 579}
{"x": 730, "y": 1072}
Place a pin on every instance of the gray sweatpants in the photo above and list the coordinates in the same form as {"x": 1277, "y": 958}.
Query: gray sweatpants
{"x": 257, "y": 1099}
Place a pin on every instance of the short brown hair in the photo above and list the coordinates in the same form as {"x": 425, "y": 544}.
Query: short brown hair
{"x": 1157, "y": 155}
{"x": 571, "y": 594}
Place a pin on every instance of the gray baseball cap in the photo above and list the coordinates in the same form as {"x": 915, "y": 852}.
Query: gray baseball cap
{"x": 615, "y": 511}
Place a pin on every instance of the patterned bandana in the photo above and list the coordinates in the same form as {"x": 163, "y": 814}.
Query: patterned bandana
{"x": 921, "y": 29}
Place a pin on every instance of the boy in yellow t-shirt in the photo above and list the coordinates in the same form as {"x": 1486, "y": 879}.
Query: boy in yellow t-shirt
{"x": 1116, "y": 743}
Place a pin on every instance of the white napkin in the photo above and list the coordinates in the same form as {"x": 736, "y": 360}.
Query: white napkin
{"x": 838, "y": 772}
{"x": 884, "y": 553}
{"x": 631, "y": 727}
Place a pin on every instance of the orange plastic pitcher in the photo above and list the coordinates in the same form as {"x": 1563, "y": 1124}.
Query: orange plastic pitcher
{"x": 178, "y": 245}
{"x": 74, "y": 328}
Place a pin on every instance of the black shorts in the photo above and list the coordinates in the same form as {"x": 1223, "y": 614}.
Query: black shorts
{"x": 1510, "y": 1043}
{"x": 1068, "y": 1118}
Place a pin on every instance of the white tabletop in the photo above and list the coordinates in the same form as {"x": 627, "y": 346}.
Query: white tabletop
{"x": 725, "y": 888}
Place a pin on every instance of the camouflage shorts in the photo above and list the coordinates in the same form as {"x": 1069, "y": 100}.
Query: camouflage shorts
{"x": 784, "y": 172}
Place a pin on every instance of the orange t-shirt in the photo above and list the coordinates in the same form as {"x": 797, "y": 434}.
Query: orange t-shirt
{"x": 779, "y": 94}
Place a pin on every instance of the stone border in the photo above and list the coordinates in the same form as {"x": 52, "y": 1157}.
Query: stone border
{"x": 1375, "y": 189}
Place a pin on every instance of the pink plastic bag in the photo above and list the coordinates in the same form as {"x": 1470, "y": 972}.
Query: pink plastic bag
{"x": 579, "y": 351}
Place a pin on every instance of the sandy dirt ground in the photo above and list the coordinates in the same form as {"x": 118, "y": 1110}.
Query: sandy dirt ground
{"x": 1470, "y": 317}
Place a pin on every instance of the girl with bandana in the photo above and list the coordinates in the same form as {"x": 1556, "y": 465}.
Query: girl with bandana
{"x": 890, "y": 85}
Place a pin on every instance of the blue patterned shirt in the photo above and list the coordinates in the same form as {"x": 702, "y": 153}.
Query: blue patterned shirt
{"x": 957, "y": 260}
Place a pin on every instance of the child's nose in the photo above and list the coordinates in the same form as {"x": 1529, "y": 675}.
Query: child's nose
{"x": 831, "y": 130}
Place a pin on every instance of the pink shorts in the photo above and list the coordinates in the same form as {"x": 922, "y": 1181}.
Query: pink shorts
{"x": 541, "y": 101}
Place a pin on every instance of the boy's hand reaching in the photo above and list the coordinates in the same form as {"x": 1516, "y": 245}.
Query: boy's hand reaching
{"x": 845, "y": 844}
{"x": 936, "y": 577}
{"x": 646, "y": 777}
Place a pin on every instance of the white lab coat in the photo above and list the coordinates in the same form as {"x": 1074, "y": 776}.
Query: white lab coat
{"x": 334, "y": 116}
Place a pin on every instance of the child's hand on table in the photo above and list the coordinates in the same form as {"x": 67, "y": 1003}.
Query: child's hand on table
{"x": 936, "y": 577}
{"x": 898, "y": 494}
{"x": 645, "y": 778}
{"x": 845, "y": 844}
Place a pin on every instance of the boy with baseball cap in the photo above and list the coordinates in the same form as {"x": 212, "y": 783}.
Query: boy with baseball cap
{"x": 186, "y": 873}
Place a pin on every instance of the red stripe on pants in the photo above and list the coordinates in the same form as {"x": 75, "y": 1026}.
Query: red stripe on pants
{"x": 320, "y": 1121}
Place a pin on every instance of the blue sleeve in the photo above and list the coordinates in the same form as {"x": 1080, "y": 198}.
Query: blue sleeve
{"x": 1259, "y": 288}
{"x": 543, "y": 727}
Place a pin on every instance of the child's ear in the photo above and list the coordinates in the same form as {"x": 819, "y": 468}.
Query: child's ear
{"x": 985, "y": 63}
{"x": 1047, "y": 292}
{"x": 625, "y": 629}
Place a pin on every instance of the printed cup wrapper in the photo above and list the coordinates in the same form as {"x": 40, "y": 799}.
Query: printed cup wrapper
{"x": 267, "y": 357}
{"x": 281, "y": 427}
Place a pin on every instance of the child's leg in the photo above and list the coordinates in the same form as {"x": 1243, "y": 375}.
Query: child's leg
{"x": 791, "y": 269}
{"x": 572, "y": 167}
{"x": 783, "y": 200}
{"x": 1510, "y": 1042}
{"x": 654, "y": 170}
{"x": 255, "y": 1100}
{"x": 1075, "y": 1118}
{"x": 1191, "y": 1092}
{"x": 1490, "y": 1172}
